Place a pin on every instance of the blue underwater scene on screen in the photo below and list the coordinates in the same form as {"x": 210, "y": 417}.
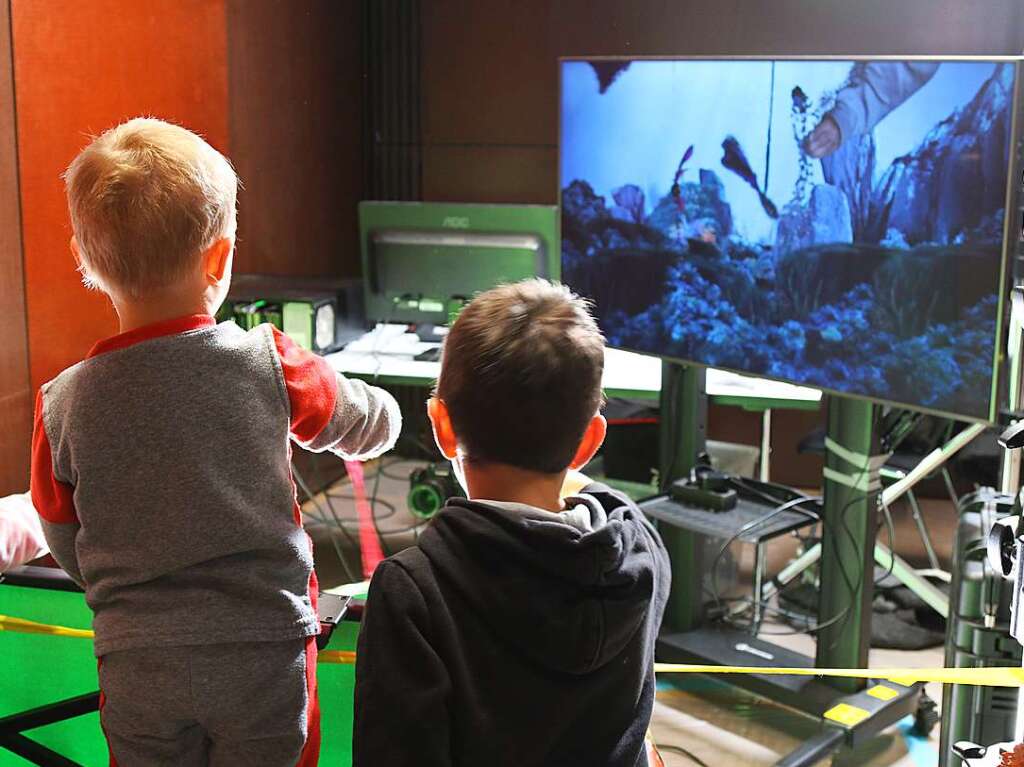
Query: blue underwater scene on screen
{"x": 831, "y": 223}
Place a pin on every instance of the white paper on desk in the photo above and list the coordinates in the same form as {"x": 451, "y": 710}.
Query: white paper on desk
{"x": 390, "y": 340}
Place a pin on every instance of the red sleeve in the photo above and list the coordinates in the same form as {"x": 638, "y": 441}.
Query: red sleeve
{"x": 53, "y": 499}
{"x": 312, "y": 387}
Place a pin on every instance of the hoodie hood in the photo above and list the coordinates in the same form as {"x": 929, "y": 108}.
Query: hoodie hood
{"x": 568, "y": 590}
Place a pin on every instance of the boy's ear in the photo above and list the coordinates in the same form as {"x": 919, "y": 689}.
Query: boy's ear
{"x": 217, "y": 260}
{"x": 444, "y": 434}
{"x": 592, "y": 440}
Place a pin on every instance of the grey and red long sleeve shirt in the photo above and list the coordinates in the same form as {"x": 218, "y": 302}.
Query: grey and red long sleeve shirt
{"x": 161, "y": 471}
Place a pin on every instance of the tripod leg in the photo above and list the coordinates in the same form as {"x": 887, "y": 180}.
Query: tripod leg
{"x": 922, "y": 529}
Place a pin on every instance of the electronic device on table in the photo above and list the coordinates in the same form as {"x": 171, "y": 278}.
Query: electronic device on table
{"x": 430, "y": 487}
{"x": 321, "y": 315}
{"x": 841, "y": 223}
{"x": 423, "y": 261}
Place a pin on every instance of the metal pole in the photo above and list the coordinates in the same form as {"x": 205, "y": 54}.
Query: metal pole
{"x": 683, "y": 408}
{"x": 848, "y": 536}
{"x": 932, "y": 461}
{"x": 766, "y": 445}
{"x": 760, "y": 569}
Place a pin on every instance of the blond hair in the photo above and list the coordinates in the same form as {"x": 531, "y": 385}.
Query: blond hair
{"x": 146, "y": 199}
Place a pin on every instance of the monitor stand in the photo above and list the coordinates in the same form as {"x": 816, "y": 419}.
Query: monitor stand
{"x": 847, "y": 586}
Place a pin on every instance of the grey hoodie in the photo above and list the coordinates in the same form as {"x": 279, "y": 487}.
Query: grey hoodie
{"x": 161, "y": 473}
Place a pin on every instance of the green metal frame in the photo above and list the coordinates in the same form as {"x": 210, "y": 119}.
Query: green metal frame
{"x": 682, "y": 438}
{"x": 846, "y": 571}
{"x": 847, "y": 564}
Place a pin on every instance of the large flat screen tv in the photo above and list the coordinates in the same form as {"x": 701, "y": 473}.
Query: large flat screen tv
{"x": 834, "y": 223}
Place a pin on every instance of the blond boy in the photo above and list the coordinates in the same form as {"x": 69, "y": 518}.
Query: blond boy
{"x": 161, "y": 468}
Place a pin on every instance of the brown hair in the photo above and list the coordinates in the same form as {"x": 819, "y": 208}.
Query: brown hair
{"x": 521, "y": 375}
{"x": 146, "y": 199}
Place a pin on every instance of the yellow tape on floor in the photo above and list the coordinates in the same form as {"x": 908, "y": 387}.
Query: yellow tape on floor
{"x": 7, "y": 623}
{"x": 979, "y": 677}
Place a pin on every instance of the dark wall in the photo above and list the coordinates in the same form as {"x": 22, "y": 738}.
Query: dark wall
{"x": 490, "y": 88}
{"x": 490, "y": 94}
{"x": 294, "y": 96}
{"x": 15, "y": 391}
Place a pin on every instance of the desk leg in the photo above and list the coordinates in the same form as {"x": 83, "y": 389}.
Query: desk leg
{"x": 683, "y": 406}
{"x": 766, "y": 445}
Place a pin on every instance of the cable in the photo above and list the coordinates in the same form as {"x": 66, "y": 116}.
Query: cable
{"x": 757, "y": 487}
{"x": 892, "y": 542}
{"x": 323, "y": 519}
{"x": 348, "y": 523}
{"x": 683, "y": 752}
{"x": 853, "y": 541}
{"x": 331, "y": 492}
{"x": 397, "y": 477}
{"x": 340, "y": 522}
{"x": 851, "y": 588}
{"x": 841, "y": 517}
{"x": 373, "y": 509}
{"x": 788, "y": 615}
{"x": 793, "y": 503}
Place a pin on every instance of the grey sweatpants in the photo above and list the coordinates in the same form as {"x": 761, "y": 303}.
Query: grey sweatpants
{"x": 223, "y": 705}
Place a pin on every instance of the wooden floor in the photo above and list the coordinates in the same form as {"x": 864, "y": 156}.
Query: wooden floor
{"x": 724, "y": 726}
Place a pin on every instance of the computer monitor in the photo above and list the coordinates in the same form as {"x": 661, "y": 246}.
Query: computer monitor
{"x": 837, "y": 223}
{"x": 422, "y": 261}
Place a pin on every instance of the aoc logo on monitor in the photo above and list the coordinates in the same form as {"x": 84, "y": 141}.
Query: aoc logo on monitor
{"x": 455, "y": 222}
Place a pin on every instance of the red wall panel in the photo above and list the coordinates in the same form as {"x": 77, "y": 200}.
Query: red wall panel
{"x": 80, "y": 68}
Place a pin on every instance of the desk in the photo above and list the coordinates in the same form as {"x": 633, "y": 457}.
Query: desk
{"x": 386, "y": 354}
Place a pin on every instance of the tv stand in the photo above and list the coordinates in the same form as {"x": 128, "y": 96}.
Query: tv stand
{"x": 849, "y": 525}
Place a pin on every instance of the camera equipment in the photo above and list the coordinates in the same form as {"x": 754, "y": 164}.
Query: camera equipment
{"x": 430, "y": 487}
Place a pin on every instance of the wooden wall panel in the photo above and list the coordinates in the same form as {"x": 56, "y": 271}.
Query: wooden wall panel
{"x": 511, "y": 174}
{"x": 490, "y": 80}
{"x": 80, "y": 68}
{"x": 15, "y": 392}
{"x": 295, "y": 88}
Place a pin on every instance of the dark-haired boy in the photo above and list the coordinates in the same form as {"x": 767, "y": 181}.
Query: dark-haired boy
{"x": 520, "y": 631}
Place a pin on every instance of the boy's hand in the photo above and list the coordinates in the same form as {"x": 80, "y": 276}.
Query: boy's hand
{"x": 574, "y": 482}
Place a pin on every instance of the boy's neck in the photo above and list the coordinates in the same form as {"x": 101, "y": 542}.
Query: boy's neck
{"x": 501, "y": 482}
{"x": 138, "y": 313}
